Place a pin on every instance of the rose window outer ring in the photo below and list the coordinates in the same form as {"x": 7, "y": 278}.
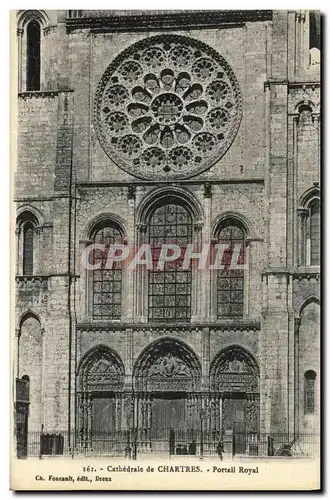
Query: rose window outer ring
{"x": 168, "y": 107}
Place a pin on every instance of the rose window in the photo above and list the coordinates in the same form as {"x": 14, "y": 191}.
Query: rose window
{"x": 167, "y": 107}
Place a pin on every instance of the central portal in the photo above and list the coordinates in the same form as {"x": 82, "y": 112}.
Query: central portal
{"x": 168, "y": 419}
{"x": 167, "y": 377}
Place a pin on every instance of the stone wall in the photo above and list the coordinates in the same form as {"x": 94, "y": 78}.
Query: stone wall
{"x": 64, "y": 174}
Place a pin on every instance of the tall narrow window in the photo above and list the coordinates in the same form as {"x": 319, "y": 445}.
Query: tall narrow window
{"x": 28, "y": 238}
{"x": 169, "y": 289}
{"x": 314, "y": 30}
{"x": 230, "y": 281}
{"x": 75, "y": 13}
{"x": 315, "y": 232}
{"x": 106, "y": 282}
{"x": 33, "y": 56}
{"x": 309, "y": 392}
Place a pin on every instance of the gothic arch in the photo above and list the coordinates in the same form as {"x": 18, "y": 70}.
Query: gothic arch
{"x": 25, "y": 16}
{"x": 26, "y": 315}
{"x": 234, "y": 369}
{"x": 101, "y": 370}
{"x": 305, "y": 105}
{"x": 101, "y": 218}
{"x": 25, "y": 212}
{"x": 307, "y": 301}
{"x": 167, "y": 364}
{"x": 164, "y": 194}
{"x": 309, "y": 195}
{"x": 236, "y": 218}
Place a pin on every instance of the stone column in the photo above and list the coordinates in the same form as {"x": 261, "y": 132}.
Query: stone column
{"x": 84, "y": 285}
{"x": 37, "y": 257}
{"x": 316, "y": 122}
{"x": 118, "y": 412}
{"x": 82, "y": 419}
{"x": 206, "y": 273}
{"x": 220, "y": 413}
{"x": 205, "y": 357}
{"x": 128, "y": 275}
{"x": 296, "y": 376}
{"x": 141, "y": 280}
{"x": 303, "y": 250}
{"x": 19, "y": 58}
{"x": 19, "y": 254}
{"x": 196, "y": 278}
{"x": 89, "y": 409}
{"x": 295, "y": 228}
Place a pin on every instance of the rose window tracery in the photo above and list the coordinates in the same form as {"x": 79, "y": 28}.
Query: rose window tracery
{"x": 167, "y": 107}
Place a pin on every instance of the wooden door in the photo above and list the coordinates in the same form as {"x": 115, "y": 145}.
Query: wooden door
{"x": 168, "y": 419}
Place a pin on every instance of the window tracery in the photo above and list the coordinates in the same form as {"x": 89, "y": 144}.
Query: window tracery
{"x": 170, "y": 289}
{"x": 309, "y": 392}
{"x": 230, "y": 281}
{"x": 107, "y": 283}
{"x": 168, "y": 106}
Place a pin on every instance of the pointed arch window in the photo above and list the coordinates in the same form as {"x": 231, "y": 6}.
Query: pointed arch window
{"x": 230, "y": 280}
{"x": 169, "y": 290}
{"x": 28, "y": 248}
{"x": 28, "y": 240}
{"x": 314, "y": 37}
{"x": 107, "y": 283}
{"x": 314, "y": 30}
{"x": 309, "y": 392}
{"x": 311, "y": 232}
{"x": 33, "y": 56}
{"x": 314, "y": 232}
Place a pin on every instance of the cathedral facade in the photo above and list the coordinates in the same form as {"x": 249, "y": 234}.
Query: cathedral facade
{"x": 145, "y": 128}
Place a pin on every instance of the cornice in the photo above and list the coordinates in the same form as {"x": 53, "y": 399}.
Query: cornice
{"x": 170, "y": 20}
{"x": 297, "y": 273}
{"x": 307, "y": 274}
{"x": 42, "y": 94}
{"x": 229, "y": 325}
{"x": 292, "y": 84}
{"x": 197, "y": 181}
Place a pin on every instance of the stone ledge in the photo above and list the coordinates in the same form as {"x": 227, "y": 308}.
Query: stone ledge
{"x": 240, "y": 325}
{"x": 42, "y": 94}
{"x": 176, "y": 20}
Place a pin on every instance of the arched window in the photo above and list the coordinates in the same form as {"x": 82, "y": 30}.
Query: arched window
{"x": 314, "y": 37}
{"x": 310, "y": 229}
{"x": 107, "y": 283}
{"x": 33, "y": 56}
{"x": 314, "y": 30}
{"x": 28, "y": 243}
{"x": 230, "y": 281}
{"x": 314, "y": 232}
{"x": 169, "y": 289}
{"x": 75, "y": 13}
{"x": 309, "y": 392}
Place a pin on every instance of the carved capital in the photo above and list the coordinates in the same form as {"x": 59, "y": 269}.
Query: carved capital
{"x": 198, "y": 226}
{"x": 131, "y": 191}
{"x": 297, "y": 323}
{"x": 142, "y": 227}
{"x": 207, "y": 190}
{"x": 303, "y": 212}
{"x": 315, "y": 117}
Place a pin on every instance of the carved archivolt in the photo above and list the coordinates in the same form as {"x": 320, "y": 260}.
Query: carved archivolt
{"x": 101, "y": 370}
{"x": 234, "y": 370}
{"x": 167, "y": 107}
{"x": 167, "y": 365}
